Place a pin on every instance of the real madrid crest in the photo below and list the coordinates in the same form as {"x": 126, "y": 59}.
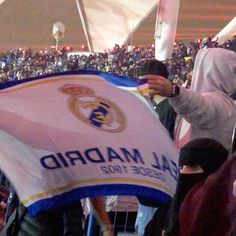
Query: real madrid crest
{"x": 95, "y": 111}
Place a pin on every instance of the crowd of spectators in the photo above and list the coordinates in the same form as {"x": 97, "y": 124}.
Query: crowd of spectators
{"x": 18, "y": 64}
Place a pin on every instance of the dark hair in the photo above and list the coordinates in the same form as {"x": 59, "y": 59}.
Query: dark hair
{"x": 153, "y": 67}
{"x": 205, "y": 152}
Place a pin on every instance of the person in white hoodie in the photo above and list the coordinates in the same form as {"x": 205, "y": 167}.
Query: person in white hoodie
{"x": 206, "y": 109}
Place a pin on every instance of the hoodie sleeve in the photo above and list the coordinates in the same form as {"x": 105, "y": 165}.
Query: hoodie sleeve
{"x": 204, "y": 110}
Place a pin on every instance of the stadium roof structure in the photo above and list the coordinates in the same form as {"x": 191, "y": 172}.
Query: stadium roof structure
{"x": 28, "y": 23}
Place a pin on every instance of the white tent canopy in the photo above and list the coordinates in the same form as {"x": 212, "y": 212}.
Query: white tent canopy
{"x": 107, "y": 22}
{"x": 227, "y": 32}
{"x": 100, "y": 24}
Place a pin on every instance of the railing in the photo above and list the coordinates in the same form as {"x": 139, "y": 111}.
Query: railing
{"x": 122, "y": 215}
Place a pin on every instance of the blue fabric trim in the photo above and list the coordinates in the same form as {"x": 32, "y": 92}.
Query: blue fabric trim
{"x": 111, "y": 78}
{"x": 74, "y": 195}
{"x": 142, "y": 81}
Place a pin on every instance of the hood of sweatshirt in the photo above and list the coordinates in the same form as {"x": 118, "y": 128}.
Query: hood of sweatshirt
{"x": 214, "y": 70}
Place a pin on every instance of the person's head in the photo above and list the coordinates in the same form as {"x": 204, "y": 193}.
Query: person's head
{"x": 214, "y": 70}
{"x": 153, "y": 67}
{"x": 204, "y": 152}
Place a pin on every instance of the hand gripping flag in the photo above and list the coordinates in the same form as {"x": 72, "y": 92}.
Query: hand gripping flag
{"x": 74, "y": 135}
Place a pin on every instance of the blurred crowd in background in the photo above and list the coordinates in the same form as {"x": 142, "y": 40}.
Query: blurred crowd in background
{"x": 19, "y": 63}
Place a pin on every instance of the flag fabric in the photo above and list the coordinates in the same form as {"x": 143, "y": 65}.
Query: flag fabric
{"x": 81, "y": 134}
{"x": 143, "y": 87}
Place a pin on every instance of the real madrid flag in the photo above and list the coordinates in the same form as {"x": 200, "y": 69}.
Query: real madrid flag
{"x": 74, "y": 135}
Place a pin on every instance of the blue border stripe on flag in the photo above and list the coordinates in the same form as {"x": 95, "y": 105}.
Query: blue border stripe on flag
{"x": 92, "y": 191}
{"x": 111, "y": 78}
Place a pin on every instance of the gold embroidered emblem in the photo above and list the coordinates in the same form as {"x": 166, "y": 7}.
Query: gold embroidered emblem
{"x": 95, "y": 111}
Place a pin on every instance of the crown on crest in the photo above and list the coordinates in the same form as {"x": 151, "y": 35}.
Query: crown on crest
{"x": 73, "y": 89}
